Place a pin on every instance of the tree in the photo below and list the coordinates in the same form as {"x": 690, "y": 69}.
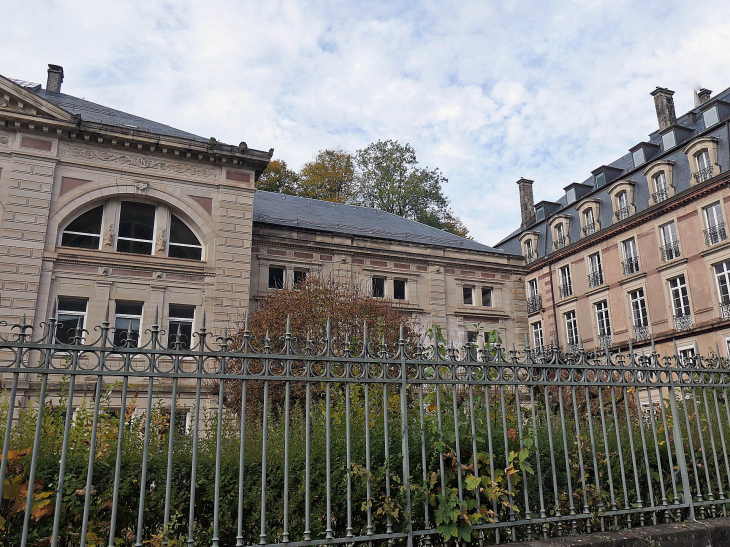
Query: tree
{"x": 330, "y": 176}
{"x": 309, "y": 305}
{"x": 390, "y": 179}
{"x": 277, "y": 177}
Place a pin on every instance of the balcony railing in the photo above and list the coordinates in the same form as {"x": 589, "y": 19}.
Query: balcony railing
{"x": 670, "y": 251}
{"x": 595, "y": 279}
{"x": 565, "y": 290}
{"x": 534, "y": 303}
{"x": 660, "y": 195}
{"x": 560, "y": 243}
{"x": 641, "y": 332}
{"x": 572, "y": 349}
{"x": 589, "y": 229}
{"x": 715, "y": 234}
{"x": 725, "y": 310}
{"x": 704, "y": 174}
{"x": 605, "y": 341}
{"x": 623, "y": 213}
{"x": 683, "y": 322}
{"x": 530, "y": 257}
{"x": 631, "y": 265}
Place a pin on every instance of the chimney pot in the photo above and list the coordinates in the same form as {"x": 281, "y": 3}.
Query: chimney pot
{"x": 55, "y": 78}
{"x": 527, "y": 202}
{"x": 664, "y": 104}
{"x": 702, "y": 96}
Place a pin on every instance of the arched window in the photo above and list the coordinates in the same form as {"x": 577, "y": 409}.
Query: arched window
{"x": 141, "y": 228}
{"x": 183, "y": 241}
{"x": 84, "y": 231}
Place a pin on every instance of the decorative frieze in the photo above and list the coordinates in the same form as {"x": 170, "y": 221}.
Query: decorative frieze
{"x": 142, "y": 162}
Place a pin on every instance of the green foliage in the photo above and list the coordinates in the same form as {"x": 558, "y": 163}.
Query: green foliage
{"x": 277, "y": 177}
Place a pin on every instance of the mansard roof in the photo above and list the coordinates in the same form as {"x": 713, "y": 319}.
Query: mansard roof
{"x": 298, "y": 212}
{"x": 691, "y": 122}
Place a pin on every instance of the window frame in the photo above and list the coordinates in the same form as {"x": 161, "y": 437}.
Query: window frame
{"x": 128, "y": 316}
{"x": 269, "y": 277}
{"x": 405, "y": 289}
{"x": 682, "y": 294}
{"x": 70, "y": 313}
{"x": 490, "y": 291}
{"x": 100, "y": 235}
{"x": 571, "y": 328}
{"x": 171, "y": 319}
{"x": 603, "y": 318}
{"x": 537, "y": 335}
{"x": 200, "y": 246}
{"x": 464, "y": 290}
{"x": 372, "y": 286}
{"x": 639, "y": 309}
{"x": 155, "y": 225}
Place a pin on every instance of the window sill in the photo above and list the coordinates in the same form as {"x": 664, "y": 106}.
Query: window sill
{"x": 671, "y": 264}
{"x": 568, "y": 300}
{"x": 116, "y": 259}
{"x": 720, "y": 246}
{"x": 597, "y": 290}
{"x": 632, "y": 277}
{"x": 476, "y": 311}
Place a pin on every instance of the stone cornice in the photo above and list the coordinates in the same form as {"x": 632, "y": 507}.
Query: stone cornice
{"x": 140, "y": 263}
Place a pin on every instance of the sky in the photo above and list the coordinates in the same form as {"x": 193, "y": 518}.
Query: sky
{"x": 486, "y": 91}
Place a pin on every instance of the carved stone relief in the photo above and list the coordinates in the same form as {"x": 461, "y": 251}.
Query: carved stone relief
{"x": 162, "y": 241}
{"x": 109, "y": 235}
{"x": 142, "y": 162}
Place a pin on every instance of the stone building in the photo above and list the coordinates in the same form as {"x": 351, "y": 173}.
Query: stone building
{"x": 100, "y": 208}
{"x": 640, "y": 249}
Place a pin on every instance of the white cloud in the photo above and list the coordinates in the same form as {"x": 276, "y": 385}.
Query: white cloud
{"x": 488, "y": 92}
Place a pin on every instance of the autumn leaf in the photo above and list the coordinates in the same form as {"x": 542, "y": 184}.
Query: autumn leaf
{"x": 512, "y": 434}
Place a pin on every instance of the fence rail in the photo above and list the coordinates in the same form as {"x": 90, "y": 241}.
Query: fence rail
{"x": 315, "y": 439}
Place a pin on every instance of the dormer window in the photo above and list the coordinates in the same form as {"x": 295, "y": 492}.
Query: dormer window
{"x": 589, "y": 215}
{"x": 570, "y": 195}
{"x": 702, "y": 156}
{"x": 559, "y": 235}
{"x": 540, "y": 213}
{"x": 704, "y": 165}
{"x": 622, "y": 201}
{"x": 661, "y": 192}
{"x": 622, "y": 195}
{"x": 711, "y": 116}
{"x": 600, "y": 179}
{"x": 589, "y": 222}
{"x": 669, "y": 140}
{"x": 528, "y": 249}
{"x": 528, "y": 240}
{"x": 639, "y": 157}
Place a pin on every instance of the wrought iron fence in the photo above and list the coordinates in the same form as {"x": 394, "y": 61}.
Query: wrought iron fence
{"x": 319, "y": 440}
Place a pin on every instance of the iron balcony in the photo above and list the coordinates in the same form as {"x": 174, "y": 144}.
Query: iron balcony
{"x": 704, "y": 174}
{"x": 715, "y": 234}
{"x": 566, "y": 290}
{"x": 641, "y": 332}
{"x": 683, "y": 322}
{"x": 631, "y": 265}
{"x": 660, "y": 195}
{"x": 589, "y": 229}
{"x": 530, "y": 257}
{"x": 725, "y": 310}
{"x": 595, "y": 279}
{"x": 605, "y": 341}
{"x": 623, "y": 213}
{"x": 560, "y": 243}
{"x": 670, "y": 251}
{"x": 534, "y": 303}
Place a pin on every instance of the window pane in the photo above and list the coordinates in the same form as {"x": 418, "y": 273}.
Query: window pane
{"x": 68, "y": 303}
{"x": 710, "y": 116}
{"x": 136, "y": 247}
{"x": 639, "y": 157}
{"x": 124, "y": 307}
{"x": 379, "y": 287}
{"x": 137, "y": 220}
{"x": 180, "y": 233}
{"x": 178, "y": 251}
{"x": 668, "y": 141}
{"x": 181, "y": 311}
{"x": 468, "y": 296}
{"x": 487, "y": 297}
{"x": 299, "y": 277}
{"x": 399, "y": 289}
{"x": 126, "y": 328}
{"x": 66, "y": 327}
{"x": 276, "y": 278}
{"x": 88, "y": 223}
{"x": 186, "y": 334}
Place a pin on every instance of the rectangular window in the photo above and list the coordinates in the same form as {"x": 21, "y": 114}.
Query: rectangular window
{"x": 276, "y": 277}
{"x": 588, "y": 217}
{"x": 631, "y": 257}
{"x": 468, "y": 293}
{"x": 639, "y": 158}
{"x": 540, "y": 213}
{"x": 566, "y": 283}
{"x": 670, "y": 243}
{"x": 70, "y": 315}
{"x": 686, "y": 355}
{"x": 180, "y": 322}
{"x": 378, "y": 287}
{"x": 570, "y": 195}
{"x": 136, "y": 228}
{"x": 299, "y": 277}
{"x": 571, "y": 328}
{"x": 595, "y": 269}
{"x": 600, "y": 179}
{"x": 638, "y": 308}
{"x": 722, "y": 274}
{"x": 472, "y": 337}
{"x": 127, "y": 321}
{"x": 487, "y": 297}
{"x": 399, "y": 289}
{"x": 532, "y": 287}
{"x": 680, "y": 297}
{"x": 537, "y": 338}
{"x": 710, "y": 117}
{"x": 715, "y": 232}
{"x": 603, "y": 321}
{"x": 669, "y": 141}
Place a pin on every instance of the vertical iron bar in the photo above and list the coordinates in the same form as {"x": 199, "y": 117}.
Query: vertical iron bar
{"x": 90, "y": 465}
{"x": 307, "y": 456}
{"x": 264, "y": 446}
{"x": 549, "y": 424}
{"x": 594, "y": 450}
{"x": 194, "y": 470}
{"x": 145, "y": 457}
{"x": 118, "y": 463}
{"x": 668, "y": 441}
{"x": 457, "y": 441}
{"x": 217, "y": 485}
{"x": 170, "y": 447}
{"x": 9, "y": 422}
{"x": 714, "y": 446}
{"x": 241, "y": 460}
{"x": 495, "y": 509}
{"x": 405, "y": 449}
{"x": 656, "y": 448}
{"x": 348, "y": 437}
{"x": 571, "y": 504}
{"x": 424, "y": 473}
{"x": 543, "y": 514}
{"x": 386, "y": 442}
{"x": 367, "y": 455}
{"x": 620, "y": 451}
{"x": 639, "y": 502}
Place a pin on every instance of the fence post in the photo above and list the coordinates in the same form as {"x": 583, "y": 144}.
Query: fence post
{"x": 404, "y": 433}
{"x": 678, "y": 445}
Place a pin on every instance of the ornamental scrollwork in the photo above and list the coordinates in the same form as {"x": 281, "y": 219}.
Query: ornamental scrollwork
{"x": 142, "y": 162}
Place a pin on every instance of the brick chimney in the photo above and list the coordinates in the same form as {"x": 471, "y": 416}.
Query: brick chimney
{"x": 664, "y": 104}
{"x": 55, "y": 78}
{"x": 527, "y": 202}
{"x": 702, "y": 95}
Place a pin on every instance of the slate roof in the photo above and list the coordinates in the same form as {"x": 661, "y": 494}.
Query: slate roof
{"x": 93, "y": 112}
{"x": 298, "y": 212}
{"x": 642, "y": 198}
